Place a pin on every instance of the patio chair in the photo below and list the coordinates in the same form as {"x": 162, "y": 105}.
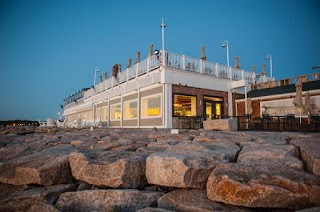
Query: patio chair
{"x": 96, "y": 122}
{"x": 77, "y": 123}
{"x": 83, "y": 123}
{"x": 61, "y": 123}
{"x": 42, "y": 124}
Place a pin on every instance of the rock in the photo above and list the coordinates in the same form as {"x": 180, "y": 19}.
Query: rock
{"x": 40, "y": 206}
{"x": 84, "y": 186}
{"x": 20, "y": 131}
{"x": 309, "y": 153}
{"x": 47, "y": 167}
{"x": 76, "y": 142}
{"x": 41, "y": 130}
{"x": 149, "y": 209}
{"x": 192, "y": 200}
{"x": 22, "y": 201}
{"x": 115, "y": 169}
{"x": 313, "y": 209}
{"x": 275, "y": 156}
{"x": 10, "y": 151}
{"x": 107, "y": 200}
{"x": 188, "y": 164}
{"x": 276, "y": 188}
{"x": 221, "y": 124}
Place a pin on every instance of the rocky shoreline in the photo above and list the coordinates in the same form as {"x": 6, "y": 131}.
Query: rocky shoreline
{"x": 55, "y": 169}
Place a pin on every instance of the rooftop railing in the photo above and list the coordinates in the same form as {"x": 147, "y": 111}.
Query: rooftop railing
{"x": 176, "y": 61}
{"x": 286, "y": 81}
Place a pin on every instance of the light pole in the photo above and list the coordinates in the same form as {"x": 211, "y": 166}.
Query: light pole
{"x": 95, "y": 75}
{"x": 269, "y": 57}
{"x": 226, "y": 44}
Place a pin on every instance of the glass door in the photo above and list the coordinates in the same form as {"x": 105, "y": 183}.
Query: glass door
{"x": 217, "y": 108}
{"x": 208, "y": 109}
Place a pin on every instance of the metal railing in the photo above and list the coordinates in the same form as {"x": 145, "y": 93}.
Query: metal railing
{"x": 286, "y": 81}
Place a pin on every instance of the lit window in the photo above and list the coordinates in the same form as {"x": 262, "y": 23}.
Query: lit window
{"x": 130, "y": 110}
{"x": 104, "y": 115}
{"x": 115, "y": 112}
{"x": 151, "y": 106}
{"x": 184, "y": 105}
{"x": 98, "y": 113}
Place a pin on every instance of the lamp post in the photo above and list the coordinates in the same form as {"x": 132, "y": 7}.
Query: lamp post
{"x": 95, "y": 75}
{"x": 226, "y": 44}
{"x": 269, "y": 57}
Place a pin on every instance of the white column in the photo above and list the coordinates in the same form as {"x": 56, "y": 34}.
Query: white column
{"x": 230, "y": 72}
{"x": 167, "y": 112}
{"x": 217, "y": 71}
{"x": 121, "y": 111}
{"x": 201, "y": 66}
{"x": 230, "y": 104}
{"x": 245, "y": 99}
{"x": 138, "y": 107}
{"x": 183, "y": 62}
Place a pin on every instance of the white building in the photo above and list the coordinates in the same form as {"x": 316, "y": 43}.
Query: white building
{"x": 165, "y": 91}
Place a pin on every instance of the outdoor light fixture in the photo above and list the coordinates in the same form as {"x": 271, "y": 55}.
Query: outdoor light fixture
{"x": 224, "y": 45}
{"x": 156, "y": 52}
{"x": 269, "y": 57}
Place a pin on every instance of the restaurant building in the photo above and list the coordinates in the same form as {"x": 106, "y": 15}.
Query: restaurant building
{"x": 166, "y": 90}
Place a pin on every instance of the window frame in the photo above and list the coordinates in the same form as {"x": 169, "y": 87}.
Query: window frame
{"x": 148, "y": 97}
{"x": 111, "y": 116}
{"x": 182, "y": 94}
{"x": 123, "y": 109}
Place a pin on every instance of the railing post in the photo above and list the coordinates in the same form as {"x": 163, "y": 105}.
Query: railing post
{"x": 183, "y": 62}
{"x": 127, "y": 74}
{"x": 137, "y": 69}
{"x": 148, "y": 64}
{"x": 163, "y": 58}
{"x": 253, "y": 77}
{"x": 217, "y": 70}
{"x": 230, "y": 72}
{"x": 201, "y": 66}
{"x": 242, "y": 74}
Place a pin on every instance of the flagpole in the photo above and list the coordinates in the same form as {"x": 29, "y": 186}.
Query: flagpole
{"x": 163, "y": 26}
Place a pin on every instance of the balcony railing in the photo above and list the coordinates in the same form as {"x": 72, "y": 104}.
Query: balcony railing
{"x": 176, "y": 61}
{"x": 287, "y": 81}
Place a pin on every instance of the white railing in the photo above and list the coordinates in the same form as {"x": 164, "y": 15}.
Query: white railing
{"x": 176, "y": 61}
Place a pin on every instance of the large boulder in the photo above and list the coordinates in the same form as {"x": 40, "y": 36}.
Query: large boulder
{"x": 252, "y": 187}
{"x": 25, "y": 199}
{"x": 47, "y": 167}
{"x": 188, "y": 164}
{"x": 116, "y": 169}
{"x": 265, "y": 155}
{"x": 107, "y": 200}
{"x": 192, "y": 200}
{"x": 309, "y": 153}
{"x": 221, "y": 124}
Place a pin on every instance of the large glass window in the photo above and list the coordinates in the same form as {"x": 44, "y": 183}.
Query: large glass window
{"x": 184, "y": 105}
{"x": 151, "y": 106}
{"x": 130, "y": 109}
{"x": 98, "y": 113}
{"x": 104, "y": 115}
{"x": 115, "y": 112}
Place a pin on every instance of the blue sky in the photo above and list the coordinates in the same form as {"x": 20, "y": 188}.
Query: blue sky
{"x": 50, "y": 48}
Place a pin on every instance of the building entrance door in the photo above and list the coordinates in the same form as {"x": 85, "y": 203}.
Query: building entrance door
{"x": 212, "y": 109}
{"x": 208, "y": 109}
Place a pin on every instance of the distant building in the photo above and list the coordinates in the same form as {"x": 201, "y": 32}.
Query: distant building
{"x": 162, "y": 91}
{"x": 275, "y": 98}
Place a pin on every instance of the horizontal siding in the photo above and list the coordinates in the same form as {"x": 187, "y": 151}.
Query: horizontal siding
{"x": 127, "y": 123}
{"x": 151, "y": 122}
{"x": 114, "y": 123}
{"x": 151, "y": 92}
{"x": 115, "y": 101}
{"x": 130, "y": 97}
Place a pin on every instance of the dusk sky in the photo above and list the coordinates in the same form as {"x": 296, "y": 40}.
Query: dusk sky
{"x": 50, "y": 48}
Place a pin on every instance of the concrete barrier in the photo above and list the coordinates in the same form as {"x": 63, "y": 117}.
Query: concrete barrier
{"x": 221, "y": 124}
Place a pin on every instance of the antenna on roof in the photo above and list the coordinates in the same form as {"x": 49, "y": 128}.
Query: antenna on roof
{"x": 163, "y": 26}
